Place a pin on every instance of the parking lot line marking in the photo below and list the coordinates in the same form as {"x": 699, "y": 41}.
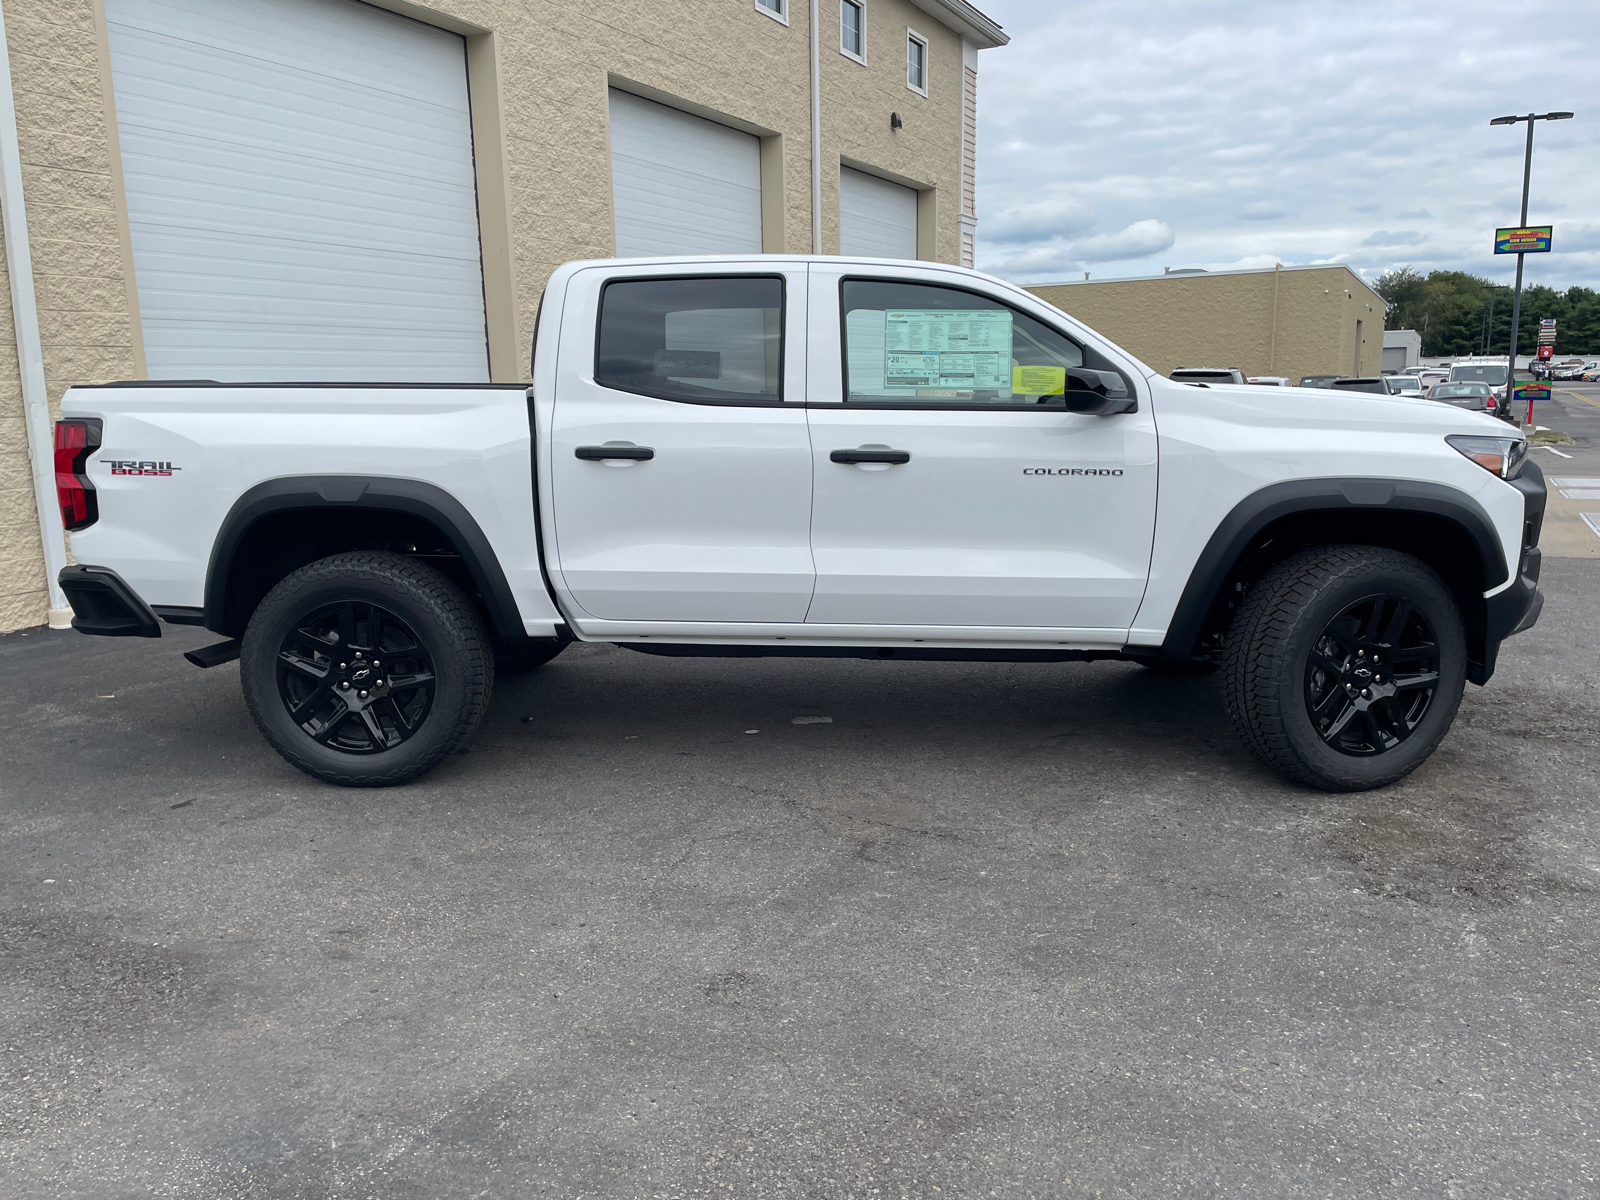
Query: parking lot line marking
{"x": 1592, "y": 520}
{"x": 1573, "y": 483}
{"x": 1575, "y": 396}
{"x": 1553, "y": 450}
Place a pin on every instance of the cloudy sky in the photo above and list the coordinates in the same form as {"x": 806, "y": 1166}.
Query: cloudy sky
{"x": 1121, "y": 138}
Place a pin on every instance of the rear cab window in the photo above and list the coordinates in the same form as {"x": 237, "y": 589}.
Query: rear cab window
{"x": 701, "y": 339}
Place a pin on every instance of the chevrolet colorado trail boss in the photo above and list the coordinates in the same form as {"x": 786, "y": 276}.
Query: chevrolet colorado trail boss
{"x": 811, "y": 457}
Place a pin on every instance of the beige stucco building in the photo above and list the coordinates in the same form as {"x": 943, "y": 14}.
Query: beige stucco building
{"x": 197, "y": 191}
{"x": 1289, "y": 321}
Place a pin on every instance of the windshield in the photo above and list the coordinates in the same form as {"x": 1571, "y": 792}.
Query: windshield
{"x": 1405, "y": 383}
{"x": 1493, "y": 374}
{"x": 1461, "y": 389}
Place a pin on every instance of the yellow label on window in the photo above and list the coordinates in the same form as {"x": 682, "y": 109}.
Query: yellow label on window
{"x": 1038, "y": 381}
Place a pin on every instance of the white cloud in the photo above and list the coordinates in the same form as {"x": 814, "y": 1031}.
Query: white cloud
{"x": 1041, "y": 221}
{"x": 1383, "y": 237}
{"x": 1265, "y": 210}
{"x": 1139, "y": 240}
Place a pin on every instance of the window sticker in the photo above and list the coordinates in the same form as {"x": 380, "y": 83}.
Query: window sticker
{"x": 1039, "y": 381}
{"x": 947, "y": 349}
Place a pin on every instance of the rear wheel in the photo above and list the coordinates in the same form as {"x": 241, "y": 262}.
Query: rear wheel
{"x": 366, "y": 669}
{"x": 1345, "y": 666}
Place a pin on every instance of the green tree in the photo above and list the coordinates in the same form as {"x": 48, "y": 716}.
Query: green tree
{"x": 1455, "y": 312}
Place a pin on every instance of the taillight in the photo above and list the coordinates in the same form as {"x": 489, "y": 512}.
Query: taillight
{"x": 75, "y": 441}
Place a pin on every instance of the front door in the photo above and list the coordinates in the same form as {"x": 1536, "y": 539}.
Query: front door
{"x": 681, "y": 476}
{"x": 952, "y": 486}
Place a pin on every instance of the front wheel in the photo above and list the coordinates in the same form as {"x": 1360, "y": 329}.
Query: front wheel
{"x": 1345, "y": 666}
{"x": 366, "y": 669}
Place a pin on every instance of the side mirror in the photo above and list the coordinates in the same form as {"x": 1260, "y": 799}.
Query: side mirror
{"x": 1097, "y": 393}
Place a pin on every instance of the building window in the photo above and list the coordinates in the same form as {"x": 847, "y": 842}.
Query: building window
{"x": 853, "y": 30}
{"x": 778, "y": 10}
{"x": 917, "y": 62}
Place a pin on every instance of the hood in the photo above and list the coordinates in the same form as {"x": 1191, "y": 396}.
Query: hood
{"x": 1343, "y": 408}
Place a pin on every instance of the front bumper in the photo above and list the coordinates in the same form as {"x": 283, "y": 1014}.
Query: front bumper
{"x": 104, "y": 605}
{"x": 1518, "y": 607}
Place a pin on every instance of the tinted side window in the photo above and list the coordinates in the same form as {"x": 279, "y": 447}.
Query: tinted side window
{"x": 925, "y": 344}
{"x": 706, "y": 340}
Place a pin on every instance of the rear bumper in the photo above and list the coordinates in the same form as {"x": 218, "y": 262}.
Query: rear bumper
{"x": 104, "y": 605}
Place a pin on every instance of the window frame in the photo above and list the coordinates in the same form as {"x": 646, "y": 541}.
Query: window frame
{"x": 783, "y": 338}
{"x": 929, "y": 404}
{"x": 779, "y": 14}
{"x": 861, "y": 30}
{"x": 915, "y": 38}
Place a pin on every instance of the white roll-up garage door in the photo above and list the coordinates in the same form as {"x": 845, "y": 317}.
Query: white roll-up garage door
{"x": 877, "y": 219}
{"x": 681, "y": 184}
{"x": 301, "y": 193}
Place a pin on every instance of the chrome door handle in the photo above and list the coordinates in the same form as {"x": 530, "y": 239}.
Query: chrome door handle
{"x": 601, "y": 453}
{"x": 894, "y": 457}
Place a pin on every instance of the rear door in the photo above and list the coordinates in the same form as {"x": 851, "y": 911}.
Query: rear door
{"x": 952, "y": 487}
{"x": 680, "y": 466}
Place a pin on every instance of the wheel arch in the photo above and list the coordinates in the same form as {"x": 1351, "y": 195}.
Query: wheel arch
{"x": 282, "y": 524}
{"x": 1438, "y": 525}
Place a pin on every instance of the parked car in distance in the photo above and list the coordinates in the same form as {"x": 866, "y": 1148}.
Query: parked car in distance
{"x": 1364, "y": 383}
{"x": 1207, "y": 375}
{"x": 1492, "y": 373}
{"x": 1570, "y": 370}
{"x": 1317, "y": 381}
{"x": 1271, "y": 380}
{"x": 1591, "y": 373}
{"x": 1404, "y": 385}
{"x": 1476, "y": 396}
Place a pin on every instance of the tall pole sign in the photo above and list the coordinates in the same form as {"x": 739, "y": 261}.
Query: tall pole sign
{"x": 1520, "y": 241}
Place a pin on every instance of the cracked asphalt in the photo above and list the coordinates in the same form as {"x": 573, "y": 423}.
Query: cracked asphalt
{"x": 988, "y": 930}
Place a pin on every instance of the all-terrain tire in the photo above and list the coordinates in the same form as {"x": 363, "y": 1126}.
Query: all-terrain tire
{"x": 1270, "y": 648}
{"x": 424, "y": 608}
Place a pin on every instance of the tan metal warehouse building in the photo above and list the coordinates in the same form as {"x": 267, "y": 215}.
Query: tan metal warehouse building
{"x": 334, "y": 189}
{"x": 1289, "y": 321}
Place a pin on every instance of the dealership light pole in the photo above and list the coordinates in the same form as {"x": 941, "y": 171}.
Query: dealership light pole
{"x": 1516, "y": 295}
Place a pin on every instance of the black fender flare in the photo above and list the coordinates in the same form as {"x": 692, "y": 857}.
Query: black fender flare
{"x": 375, "y": 493}
{"x": 1332, "y": 494}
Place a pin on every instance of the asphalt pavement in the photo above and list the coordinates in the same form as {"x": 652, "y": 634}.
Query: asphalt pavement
{"x": 801, "y": 929}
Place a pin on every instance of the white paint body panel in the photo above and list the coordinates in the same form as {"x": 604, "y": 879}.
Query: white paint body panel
{"x": 301, "y": 194}
{"x": 717, "y": 548}
{"x": 960, "y": 535}
{"x": 158, "y": 533}
{"x": 716, "y": 526}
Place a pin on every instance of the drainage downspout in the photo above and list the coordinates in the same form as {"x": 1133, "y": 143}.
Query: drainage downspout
{"x": 1272, "y": 352}
{"x": 30, "y": 355}
{"x": 816, "y": 131}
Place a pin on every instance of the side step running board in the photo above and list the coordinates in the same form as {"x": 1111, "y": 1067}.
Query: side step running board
{"x": 214, "y": 656}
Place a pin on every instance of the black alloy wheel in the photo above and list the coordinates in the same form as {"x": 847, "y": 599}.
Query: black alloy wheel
{"x": 1372, "y": 675}
{"x": 1344, "y": 666}
{"x": 355, "y": 677}
{"x": 367, "y": 668}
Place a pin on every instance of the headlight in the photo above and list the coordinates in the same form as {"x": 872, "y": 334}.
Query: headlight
{"x": 1501, "y": 455}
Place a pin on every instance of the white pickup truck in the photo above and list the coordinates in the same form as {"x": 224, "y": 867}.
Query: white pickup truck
{"x": 814, "y": 457}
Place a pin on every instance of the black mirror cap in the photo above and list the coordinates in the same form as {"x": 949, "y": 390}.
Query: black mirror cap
{"x": 1097, "y": 393}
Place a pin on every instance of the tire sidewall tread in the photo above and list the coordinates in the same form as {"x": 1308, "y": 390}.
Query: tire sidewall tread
{"x": 1269, "y": 641}
{"x": 438, "y": 612}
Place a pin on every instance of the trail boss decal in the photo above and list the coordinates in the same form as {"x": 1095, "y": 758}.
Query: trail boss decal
{"x": 1072, "y": 470}
{"x": 127, "y": 466}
